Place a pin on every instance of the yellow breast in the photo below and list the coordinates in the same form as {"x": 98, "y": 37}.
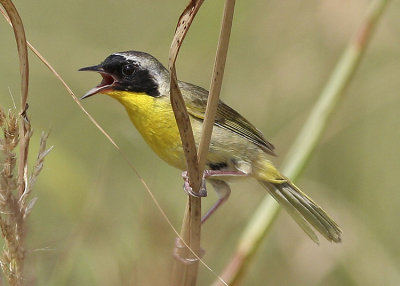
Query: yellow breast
{"x": 154, "y": 119}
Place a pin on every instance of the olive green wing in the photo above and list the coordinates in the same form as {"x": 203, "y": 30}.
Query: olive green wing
{"x": 226, "y": 117}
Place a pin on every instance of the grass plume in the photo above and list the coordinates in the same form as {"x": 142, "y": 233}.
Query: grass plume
{"x": 15, "y": 209}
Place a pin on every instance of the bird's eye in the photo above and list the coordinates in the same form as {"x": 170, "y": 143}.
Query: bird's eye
{"x": 128, "y": 69}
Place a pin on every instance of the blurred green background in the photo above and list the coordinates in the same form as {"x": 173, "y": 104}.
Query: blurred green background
{"x": 94, "y": 223}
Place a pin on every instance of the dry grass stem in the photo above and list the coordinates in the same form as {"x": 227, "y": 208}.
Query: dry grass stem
{"x": 22, "y": 48}
{"x": 177, "y": 102}
{"x": 216, "y": 82}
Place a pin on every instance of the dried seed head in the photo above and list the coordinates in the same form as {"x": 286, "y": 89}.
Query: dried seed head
{"x": 2, "y": 117}
{"x": 10, "y": 130}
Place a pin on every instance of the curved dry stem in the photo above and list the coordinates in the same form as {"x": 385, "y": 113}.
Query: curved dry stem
{"x": 177, "y": 102}
{"x": 20, "y": 38}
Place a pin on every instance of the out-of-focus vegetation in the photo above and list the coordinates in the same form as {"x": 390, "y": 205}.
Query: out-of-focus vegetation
{"x": 94, "y": 224}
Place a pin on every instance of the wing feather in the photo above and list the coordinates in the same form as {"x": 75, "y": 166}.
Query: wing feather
{"x": 226, "y": 117}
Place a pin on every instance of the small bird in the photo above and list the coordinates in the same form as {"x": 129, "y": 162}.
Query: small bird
{"x": 237, "y": 149}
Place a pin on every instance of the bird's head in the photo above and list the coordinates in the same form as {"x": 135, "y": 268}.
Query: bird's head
{"x": 130, "y": 71}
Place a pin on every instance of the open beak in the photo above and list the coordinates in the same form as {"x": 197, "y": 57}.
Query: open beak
{"x": 106, "y": 84}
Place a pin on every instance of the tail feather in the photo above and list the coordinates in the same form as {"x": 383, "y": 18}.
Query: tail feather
{"x": 304, "y": 211}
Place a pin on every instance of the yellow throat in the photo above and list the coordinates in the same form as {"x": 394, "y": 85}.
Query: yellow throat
{"x": 154, "y": 119}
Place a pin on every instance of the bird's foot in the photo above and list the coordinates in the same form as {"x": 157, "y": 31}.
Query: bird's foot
{"x": 188, "y": 189}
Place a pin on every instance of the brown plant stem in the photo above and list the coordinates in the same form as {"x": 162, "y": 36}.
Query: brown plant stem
{"x": 216, "y": 82}
{"x": 20, "y": 38}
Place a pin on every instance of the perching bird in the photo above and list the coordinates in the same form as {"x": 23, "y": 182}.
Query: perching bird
{"x": 237, "y": 149}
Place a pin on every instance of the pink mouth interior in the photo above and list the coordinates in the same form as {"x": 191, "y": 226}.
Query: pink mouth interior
{"x": 106, "y": 84}
{"x": 107, "y": 80}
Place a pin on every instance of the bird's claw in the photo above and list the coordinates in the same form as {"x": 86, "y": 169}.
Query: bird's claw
{"x": 188, "y": 189}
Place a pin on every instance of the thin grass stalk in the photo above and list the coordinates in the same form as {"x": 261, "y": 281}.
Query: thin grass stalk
{"x": 20, "y": 38}
{"x": 308, "y": 138}
{"x": 216, "y": 82}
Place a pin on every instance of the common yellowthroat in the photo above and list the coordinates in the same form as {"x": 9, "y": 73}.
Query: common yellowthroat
{"x": 237, "y": 149}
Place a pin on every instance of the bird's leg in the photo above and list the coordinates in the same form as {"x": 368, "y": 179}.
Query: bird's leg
{"x": 207, "y": 173}
{"x": 222, "y": 188}
{"x": 223, "y": 191}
